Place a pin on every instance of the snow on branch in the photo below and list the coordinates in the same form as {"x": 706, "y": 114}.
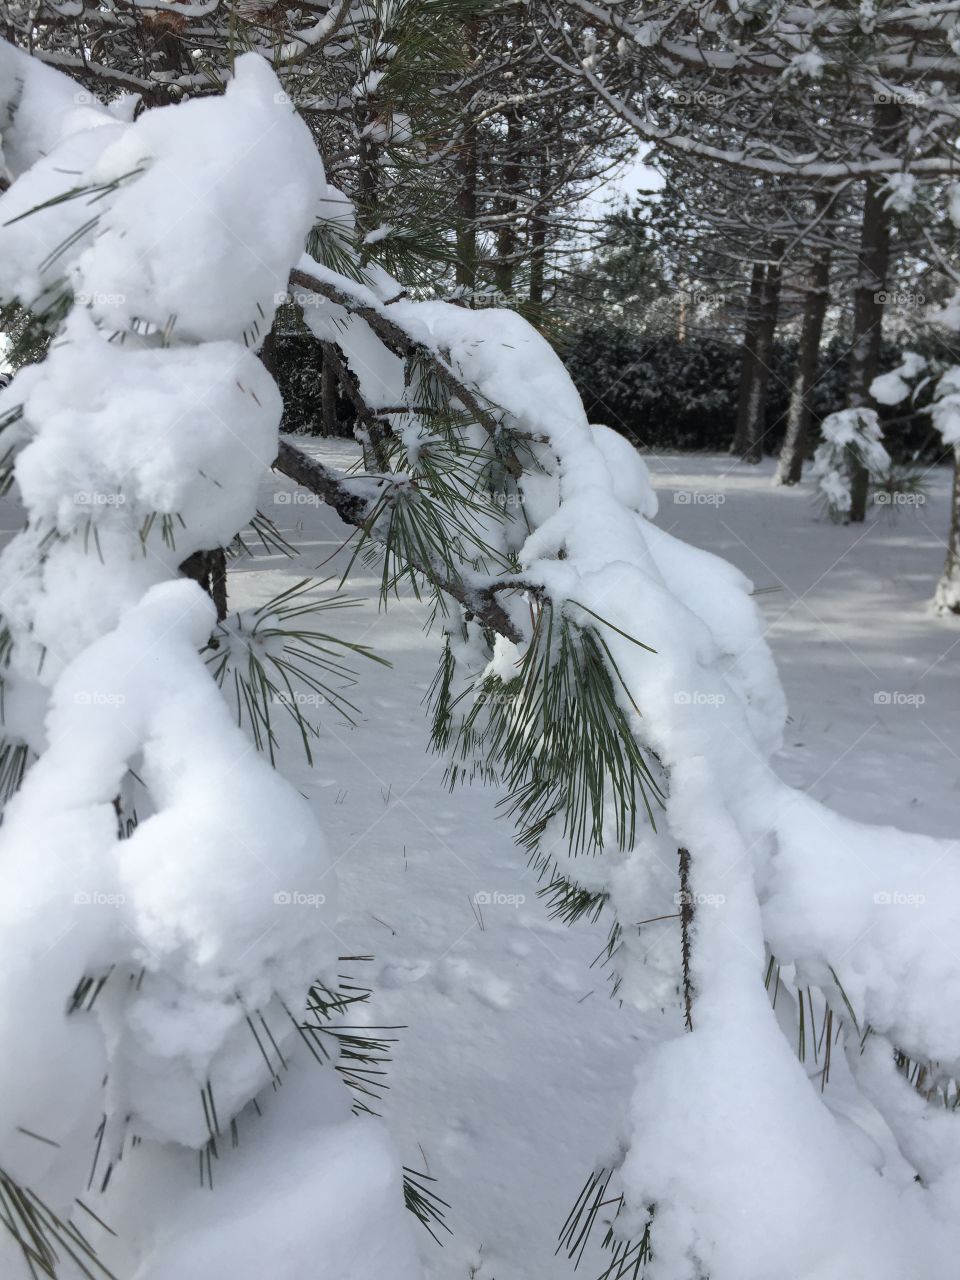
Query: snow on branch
{"x": 168, "y": 900}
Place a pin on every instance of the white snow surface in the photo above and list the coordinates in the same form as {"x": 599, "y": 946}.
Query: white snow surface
{"x": 164, "y": 892}
{"x": 711, "y": 709}
{"x": 514, "y": 1066}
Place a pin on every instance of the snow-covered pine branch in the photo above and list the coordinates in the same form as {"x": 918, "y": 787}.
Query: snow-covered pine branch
{"x": 663, "y": 643}
{"x": 632, "y": 715}
{"x": 167, "y": 897}
{"x": 913, "y": 376}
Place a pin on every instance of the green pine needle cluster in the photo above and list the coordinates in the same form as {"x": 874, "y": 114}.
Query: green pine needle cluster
{"x": 423, "y": 1202}
{"x": 275, "y": 660}
{"x": 43, "y": 1237}
{"x": 628, "y": 1257}
{"x": 556, "y": 735}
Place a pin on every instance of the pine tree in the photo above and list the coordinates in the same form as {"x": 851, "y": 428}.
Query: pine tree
{"x": 613, "y": 679}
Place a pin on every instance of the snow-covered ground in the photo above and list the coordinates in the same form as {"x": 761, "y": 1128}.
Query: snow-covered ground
{"x": 511, "y": 1064}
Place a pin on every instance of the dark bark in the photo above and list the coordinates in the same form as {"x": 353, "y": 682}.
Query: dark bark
{"x": 748, "y": 360}
{"x": 751, "y": 422}
{"x": 400, "y": 343}
{"x": 686, "y": 929}
{"x": 353, "y": 508}
{"x": 350, "y": 506}
{"x": 368, "y": 176}
{"x": 268, "y": 353}
{"x": 329, "y": 380}
{"x": 468, "y": 163}
{"x": 800, "y": 412}
{"x": 209, "y": 569}
{"x": 873, "y": 261}
{"x": 538, "y": 240}
{"x": 506, "y": 204}
{"x": 873, "y": 258}
{"x": 947, "y": 599}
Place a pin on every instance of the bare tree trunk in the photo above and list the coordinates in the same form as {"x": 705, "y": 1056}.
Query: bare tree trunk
{"x": 506, "y": 205}
{"x": 750, "y": 430}
{"x": 268, "y": 352}
{"x": 947, "y": 598}
{"x": 538, "y": 240}
{"x": 467, "y": 164}
{"x": 748, "y": 361}
{"x": 368, "y": 174}
{"x": 329, "y": 421}
{"x": 868, "y": 301}
{"x": 873, "y": 261}
{"x": 800, "y": 412}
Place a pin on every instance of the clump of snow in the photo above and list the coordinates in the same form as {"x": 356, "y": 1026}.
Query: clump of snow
{"x": 184, "y": 245}
{"x": 628, "y": 471}
{"x": 808, "y": 65}
{"x": 167, "y": 897}
{"x": 901, "y": 192}
{"x": 892, "y": 387}
{"x": 725, "y": 1116}
{"x": 850, "y": 436}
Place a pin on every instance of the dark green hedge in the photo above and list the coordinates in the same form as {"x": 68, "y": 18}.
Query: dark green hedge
{"x": 662, "y": 393}
{"x": 666, "y": 395}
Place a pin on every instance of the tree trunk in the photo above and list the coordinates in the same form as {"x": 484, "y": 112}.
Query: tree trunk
{"x": 468, "y": 164}
{"x": 368, "y": 174}
{"x": 268, "y": 352}
{"x": 506, "y": 205}
{"x": 873, "y": 260}
{"x": 947, "y": 598}
{"x": 800, "y": 413}
{"x": 538, "y": 241}
{"x": 209, "y": 569}
{"x": 750, "y": 430}
{"x": 748, "y": 360}
{"x": 329, "y": 421}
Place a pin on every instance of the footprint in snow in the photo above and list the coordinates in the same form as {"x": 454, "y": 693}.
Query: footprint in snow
{"x": 454, "y": 976}
{"x": 403, "y": 972}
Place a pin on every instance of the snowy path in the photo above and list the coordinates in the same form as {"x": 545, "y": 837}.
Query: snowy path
{"x": 514, "y": 1062}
